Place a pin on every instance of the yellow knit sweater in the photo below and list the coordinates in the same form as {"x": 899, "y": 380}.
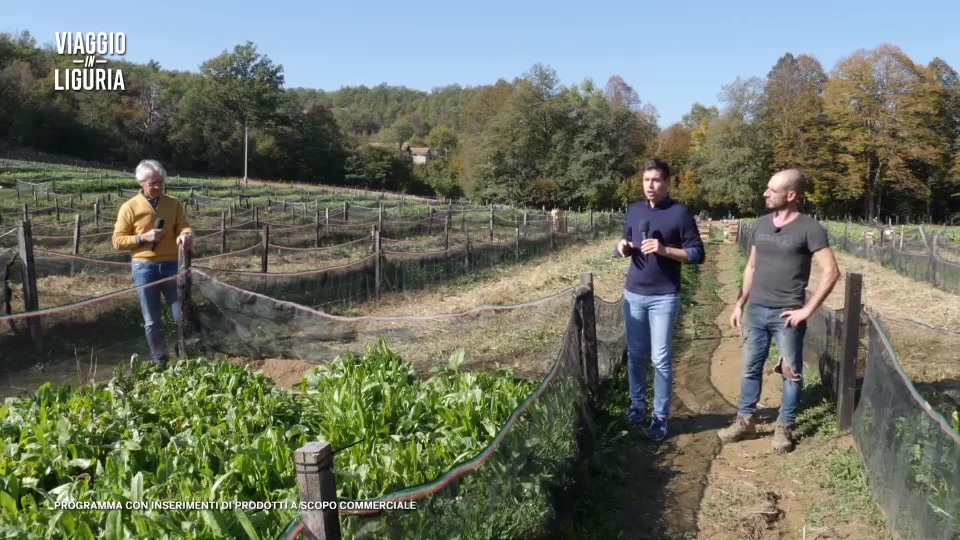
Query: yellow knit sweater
{"x": 137, "y": 216}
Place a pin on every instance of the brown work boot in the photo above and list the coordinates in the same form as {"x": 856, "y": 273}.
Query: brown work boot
{"x": 739, "y": 430}
{"x": 782, "y": 439}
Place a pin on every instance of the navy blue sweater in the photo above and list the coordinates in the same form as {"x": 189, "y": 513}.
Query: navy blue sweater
{"x": 672, "y": 224}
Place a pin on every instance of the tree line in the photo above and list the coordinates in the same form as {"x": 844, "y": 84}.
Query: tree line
{"x": 878, "y": 134}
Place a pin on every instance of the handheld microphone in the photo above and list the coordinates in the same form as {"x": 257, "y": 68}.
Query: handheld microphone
{"x": 644, "y": 227}
{"x": 157, "y": 225}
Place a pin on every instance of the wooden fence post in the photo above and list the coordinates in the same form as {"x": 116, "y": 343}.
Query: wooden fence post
{"x": 184, "y": 298}
{"x": 491, "y": 223}
{"x": 28, "y": 269}
{"x": 265, "y": 248}
{"x": 591, "y": 372}
{"x": 377, "y": 262}
{"x": 518, "y": 238}
{"x": 223, "y": 232}
{"x": 76, "y": 235}
{"x": 851, "y": 344}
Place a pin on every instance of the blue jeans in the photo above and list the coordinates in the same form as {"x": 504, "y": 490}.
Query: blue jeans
{"x": 145, "y": 273}
{"x": 649, "y": 322}
{"x": 759, "y": 325}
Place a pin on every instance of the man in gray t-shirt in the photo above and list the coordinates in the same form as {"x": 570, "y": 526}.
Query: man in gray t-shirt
{"x": 784, "y": 256}
{"x": 784, "y": 244}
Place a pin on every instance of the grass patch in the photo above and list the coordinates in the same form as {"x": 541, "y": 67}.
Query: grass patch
{"x": 834, "y": 464}
{"x": 716, "y": 234}
{"x": 850, "y": 497}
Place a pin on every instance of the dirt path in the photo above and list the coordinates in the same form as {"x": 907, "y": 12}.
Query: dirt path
{"x": 651, "y": 490}
{"x": 700, "y": 409}
{"x": 756, "y": 494}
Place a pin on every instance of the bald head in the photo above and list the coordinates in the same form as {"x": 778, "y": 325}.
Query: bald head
{"x": 791, "y": 180}
{"x": 785, "y": 189}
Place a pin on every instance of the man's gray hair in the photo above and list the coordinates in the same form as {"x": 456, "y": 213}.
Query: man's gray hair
{"x": 149, "y": 166}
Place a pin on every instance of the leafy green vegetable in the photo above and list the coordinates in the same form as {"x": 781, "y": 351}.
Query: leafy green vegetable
{"x": 216, "y": 432}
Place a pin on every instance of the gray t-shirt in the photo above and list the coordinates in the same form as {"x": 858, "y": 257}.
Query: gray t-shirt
{"x": 783, "y": 262}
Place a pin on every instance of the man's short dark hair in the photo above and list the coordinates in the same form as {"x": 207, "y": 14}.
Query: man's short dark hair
{"x": 657, "y": 164}
{"x": 797, "y": 181}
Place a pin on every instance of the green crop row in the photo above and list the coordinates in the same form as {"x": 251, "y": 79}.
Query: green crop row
{"x": 216, "y": 432}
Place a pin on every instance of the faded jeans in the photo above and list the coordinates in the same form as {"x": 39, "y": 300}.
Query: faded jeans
{"x": 149, "y": 272}
{"x": 760, "y": 324}
{"x": 649, "y": 322}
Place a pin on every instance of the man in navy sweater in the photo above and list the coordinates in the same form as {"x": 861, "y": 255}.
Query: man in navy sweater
{"x": 659, "y": 235}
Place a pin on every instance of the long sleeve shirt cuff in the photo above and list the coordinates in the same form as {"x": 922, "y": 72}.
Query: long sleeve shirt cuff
{"x": 693, "y": 255}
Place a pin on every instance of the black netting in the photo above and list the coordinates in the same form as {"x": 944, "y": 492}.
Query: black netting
{"x": 508, "y": 487}
{"x": 921, "y": 257}
{"x": 106, "y": 329}
{"x": 823, "y": 346}
{"x": 911, "y": 453}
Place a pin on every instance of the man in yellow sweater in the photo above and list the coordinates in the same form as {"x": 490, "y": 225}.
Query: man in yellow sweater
{"x": 155, "y": 251}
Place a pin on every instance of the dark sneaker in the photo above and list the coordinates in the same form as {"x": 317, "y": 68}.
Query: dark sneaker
{"x": 635, "y": 415}
{"x": 658, "y": 428}
{"x": 739, "y": 430}
{"x": 782, "y": 439}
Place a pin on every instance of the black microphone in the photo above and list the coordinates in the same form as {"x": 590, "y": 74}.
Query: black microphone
{"x": 644, "y": 227}
{"x": 157, "y": 225}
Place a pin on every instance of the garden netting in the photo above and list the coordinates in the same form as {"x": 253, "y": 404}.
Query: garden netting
{"x": 929, "y": 258}
{"x": 910, "y": 451}
{"x": 342, "y": 277}
{"x": 515, "y": 487}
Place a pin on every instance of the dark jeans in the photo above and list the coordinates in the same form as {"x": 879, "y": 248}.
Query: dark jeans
{"x": 145, "y": 274}
{"x": 760, "y": 325}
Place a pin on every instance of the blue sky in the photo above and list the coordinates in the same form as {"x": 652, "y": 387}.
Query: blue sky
{"x": 672, "y": 53}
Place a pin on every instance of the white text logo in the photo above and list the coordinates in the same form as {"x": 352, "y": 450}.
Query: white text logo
{"x": 91, "y": 73}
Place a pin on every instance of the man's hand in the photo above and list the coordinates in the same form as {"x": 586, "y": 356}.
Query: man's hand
{"x": 625, "y": 247}
{"x": 652, "y": 245}
{"x": 150, "y": 237}
{"x": 185, "y": 241}
{"x": 736, "y": 317}
{"x": 795, "y": 316}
